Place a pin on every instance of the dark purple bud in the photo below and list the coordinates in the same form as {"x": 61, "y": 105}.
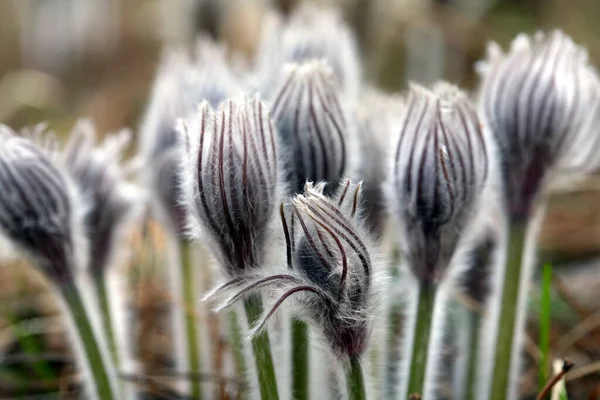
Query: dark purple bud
{"x": 38, "y": 210}
{"x": 541, "y": 102}
{"x": 439, "y": 171}
{"x": 231, "y": 179}
{"x": 110, "y": 200}
{"x": 312, "y": 126}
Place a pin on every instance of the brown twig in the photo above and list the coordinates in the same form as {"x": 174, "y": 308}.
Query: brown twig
{"x": 567, "y": 365}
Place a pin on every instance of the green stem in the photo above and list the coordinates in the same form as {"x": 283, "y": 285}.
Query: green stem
{"x": 508, "y": 311}
{"x": 422, "y": 334}
{"x": 267, "y": 382}
{"x": 100, "y": 285}
{"x": 99, "y": 366}
{"x": 545, "y": 315}
{"x": 355, "y": 380}
{"x": 189, "y": 304}
{"x": 474, "y": 324}
{"x": 300, "y": 360}
{"x": 237, "y": 344}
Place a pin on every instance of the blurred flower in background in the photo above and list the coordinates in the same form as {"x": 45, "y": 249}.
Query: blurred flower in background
{"x": 61, "y": 60}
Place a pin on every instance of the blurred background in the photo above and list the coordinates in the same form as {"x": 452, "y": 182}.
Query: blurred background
{"x": 61, "y": 60}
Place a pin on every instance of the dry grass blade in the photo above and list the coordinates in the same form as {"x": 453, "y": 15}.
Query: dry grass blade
{"x": 579, "y": 331}
{"x": 583, "y": 371}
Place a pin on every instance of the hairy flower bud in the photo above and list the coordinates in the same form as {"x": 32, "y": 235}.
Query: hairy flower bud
{"x": 312, "y": 126}
{"x": 332, "y": 272}
{"x": 111, "y": 201}
{"x": 231, "y": 179}
{"x": 541, "y": 101}
{"x": 181, "y": 84}
{"x": 311, "y": 33}
{"x": 38, "y": 209}
{"x": 439, "y": 170}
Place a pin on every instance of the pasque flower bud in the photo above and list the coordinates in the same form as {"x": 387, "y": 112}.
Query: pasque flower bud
{"x": 231, "y": 179}
{"x": 181, "y": 84}
{"x": 541, "y": 101}
{"x": 439, "y": 170}
{"x": 39, "y": 211}
{"x": 311, "y": 33}
{"x": 111, "y": 201}
{"x": 332, "y": 276}
{"x": 312, "y": 126}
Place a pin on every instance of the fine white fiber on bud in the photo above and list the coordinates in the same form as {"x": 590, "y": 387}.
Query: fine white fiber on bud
{"x": 311, "y": 33}
{"x": 541, "y": 101}
{"x": 333, "y": 276}
{"x": 231, "y": 180}
{"x": 439, "y": 170}
{"x": 183, "y": 81}
{"x": 312, "y": 126}
{"x": 112, "y": 203}
{"x": 39, "y": 208}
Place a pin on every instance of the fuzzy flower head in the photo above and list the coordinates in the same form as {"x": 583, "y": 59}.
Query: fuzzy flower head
{"x": 39, "y": 211}
{"x": 111, "y": 201}
{"x": 312, "y": 126}
{"x": 231, "y": 179}
{"x": 332, "y": 273}
{"x": 311, "y": 33}
{"x": 541, "y": 101}
{"x": 181, "y": 84}
{"x": 439, "y": 170}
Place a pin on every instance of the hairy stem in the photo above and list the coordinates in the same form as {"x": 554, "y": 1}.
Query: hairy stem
{"x": 107, "y": 324}
{"x": 355, "y": 380}
{"x": 267, "y": 382}
{"x": 393, "y": 312}
{"x": 300, "y": 351}
{"x": 513, "y": 285}
{"x": 421, "y": 338}
{"x": 237, "y": 344}
{"x": 189, "y": 304}
{"x": 393, "y": 355}
{"x": 100, "y": 365}
{"x": 473, "y": 328}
